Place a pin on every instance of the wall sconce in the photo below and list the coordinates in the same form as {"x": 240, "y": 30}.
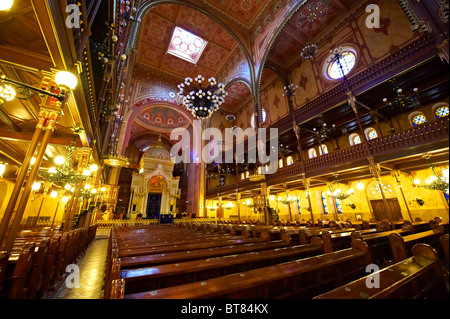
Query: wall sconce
{"x": 66, "y": 81}
{"x": 351, "y": 205}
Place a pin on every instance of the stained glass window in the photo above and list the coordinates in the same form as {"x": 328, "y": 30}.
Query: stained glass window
{"x": 186, "y": 45}
{"x": 324, "y": 150}
{"x": 289, "y": 161}
{"x": 348, "y": 61}
{"x": 339, "y": 206}
{"x": 442, "y": 112}
{"x": 324, "y": 203}
{"x": 419, "y": 119}
{"x": 356, "y": 140}
{"x": 372, "y": 134}
{"x": 312, "y": 153}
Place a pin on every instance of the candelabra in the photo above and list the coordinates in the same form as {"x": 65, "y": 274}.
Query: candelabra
{"x": 202, "y": 100}
{"x": 401, "y": 100}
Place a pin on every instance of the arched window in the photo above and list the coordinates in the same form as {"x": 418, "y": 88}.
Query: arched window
{"x": 242, "y": 175}
{"x": 323, "y": 149}
{"x": 289, "y": 161}
{"x": 338, "y": 206}
{"x": 312, "y": 153}
{"x": 348, "y": 61}
{"x": 355, "y": 139}
{"x": 247, "y": 174}
{"x": 441, "y": 110}
{"x": 371, "y": 133}
{"x": 324, "y": 203}
{"x": 417, "y": 118}
{"x": 280, "y": 163}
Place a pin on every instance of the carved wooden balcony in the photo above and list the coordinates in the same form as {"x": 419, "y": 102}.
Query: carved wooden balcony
{"x": 415, "y": 140}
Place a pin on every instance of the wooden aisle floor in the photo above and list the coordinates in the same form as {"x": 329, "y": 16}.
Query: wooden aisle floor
{"x": 91, "y": 271}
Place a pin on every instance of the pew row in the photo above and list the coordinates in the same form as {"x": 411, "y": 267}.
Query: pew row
{"x": 157, "y": 277}
{"x": 417, "y": 277}
{"x": 303, "y": 278}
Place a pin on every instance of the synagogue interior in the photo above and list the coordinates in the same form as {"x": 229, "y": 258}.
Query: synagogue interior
{"x": 224, "y": 149}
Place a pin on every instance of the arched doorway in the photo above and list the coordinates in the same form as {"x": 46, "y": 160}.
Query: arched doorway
{"x": 155, "y": 191}
{"x": 376, "y": 201}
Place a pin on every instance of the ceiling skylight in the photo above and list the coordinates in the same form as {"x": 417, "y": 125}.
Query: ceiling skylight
{"x": 186, "y": 45}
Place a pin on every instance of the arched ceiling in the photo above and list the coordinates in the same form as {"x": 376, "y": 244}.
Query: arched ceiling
{"x": 156, "y": 73}
{"x": 309, "y": 24}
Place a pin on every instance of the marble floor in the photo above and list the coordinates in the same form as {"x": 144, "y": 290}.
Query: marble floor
{"x": 89, "y": 283}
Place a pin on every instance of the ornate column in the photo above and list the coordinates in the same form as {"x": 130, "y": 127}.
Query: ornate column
{"x": 307, "y": 182}
{"x": 52, "y": 119}
{"x": 40, "y": 127}
{"x": 375, "y": 170}
{"x": 396, "y": 176}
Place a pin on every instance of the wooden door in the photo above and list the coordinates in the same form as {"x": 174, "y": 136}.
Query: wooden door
{"x": 153, "y": 206}
{"x": 393, "y": 207}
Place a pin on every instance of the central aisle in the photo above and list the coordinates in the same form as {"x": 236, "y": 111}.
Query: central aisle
{"x": 92, "y": 270}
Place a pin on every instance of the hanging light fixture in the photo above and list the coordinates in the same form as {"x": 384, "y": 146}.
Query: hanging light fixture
{"x": 401, "y": 100}
{"x": 438, "y": 182}
{"x": 309, "y": 51}
{"x": 200, "y": 99}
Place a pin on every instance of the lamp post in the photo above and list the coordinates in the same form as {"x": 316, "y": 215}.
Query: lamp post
{"x": 47, "y": 119}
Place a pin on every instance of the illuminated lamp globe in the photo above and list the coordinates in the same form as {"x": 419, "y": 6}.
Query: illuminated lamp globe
{"x": 93, "y": 168}
{"x": 66, "y": 80}
{"x": 65, "y": 199}
{"x": 7, "y": 93}
{"x": 59, "y": 160}
{"x": 53, "y": 194}
{"x": 360, "y": 186}
{"x": 86, "y": 172}
{"x": 36, "y": 186}
{"x": 6, "y": 5}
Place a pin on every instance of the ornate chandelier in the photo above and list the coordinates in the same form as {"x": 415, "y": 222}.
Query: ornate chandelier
{"x": 339, "y": 194}
{"x": 116, "y": 160}
{"x": 401, "y": 100}
{"x": 200, "y": 99}
{"x": 438, "y": 182}
{"x": 309, "y": 51}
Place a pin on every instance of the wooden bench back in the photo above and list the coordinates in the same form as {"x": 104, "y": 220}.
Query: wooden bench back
{"x": 22, "y": 271}
{"x": 301, "y": 278}
{"x": 419, "y": 276}
{"x": 4, "y": 256}
{"x": 444, "y": 244}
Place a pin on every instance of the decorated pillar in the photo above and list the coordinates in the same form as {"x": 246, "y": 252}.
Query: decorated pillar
{"x": 52, "y": 117}
{"x": 375, "y": 170}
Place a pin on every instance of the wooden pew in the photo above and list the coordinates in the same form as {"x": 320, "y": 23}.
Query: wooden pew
{"x": 444, "y": 244}
{"x": 157, "y": 277}
{"x": 417, "y": 277}
{"x": 401, "y": 246}
{"x": 49, "y": 267}
{"x": 185, "y": 247}
{"x": 380, "y": 248}
{"x": 37, "y": 268}
{"x": 302, "y": 278}
{"x": 22, "y": 271}
{"x": 167, "y": 258}
{"x": 4, "y": 256}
